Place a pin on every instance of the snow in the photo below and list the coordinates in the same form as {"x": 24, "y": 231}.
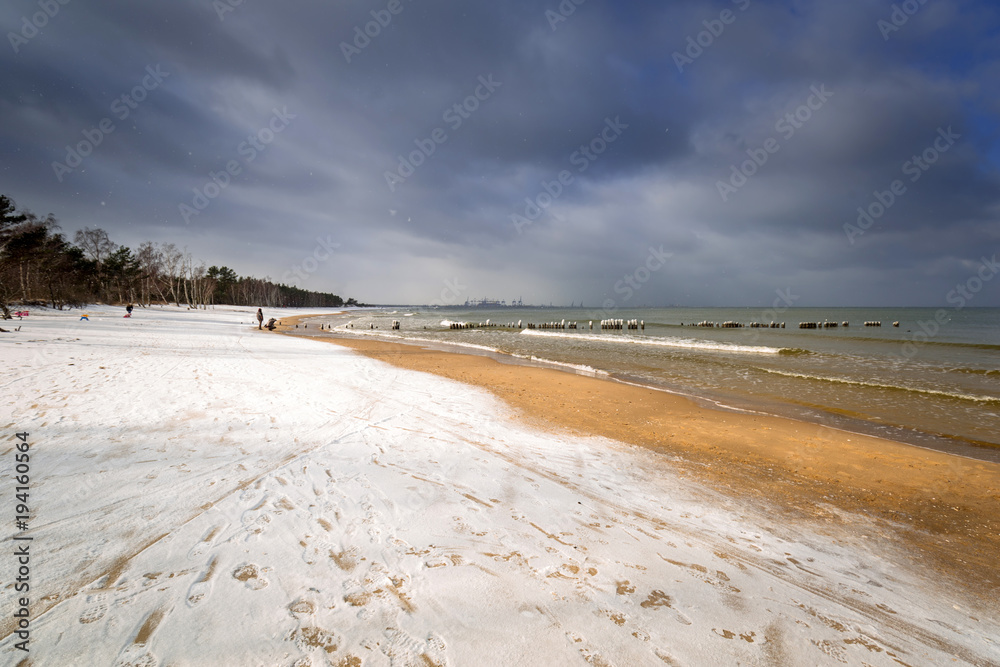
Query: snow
{"x": 203, "y": 493}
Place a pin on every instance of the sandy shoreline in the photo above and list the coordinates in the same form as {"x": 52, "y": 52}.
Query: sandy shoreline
{"x": 944, "y": 507}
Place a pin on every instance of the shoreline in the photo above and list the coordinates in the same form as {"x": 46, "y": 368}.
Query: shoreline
{"x": 942, "y": 505}
{"x": 743, "y": 384}
{"x": 836, "y": 419}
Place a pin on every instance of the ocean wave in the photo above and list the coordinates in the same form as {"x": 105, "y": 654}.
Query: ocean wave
{"x": 583, "y": 368}
{"x": 881, "y": 385}
{"x": 372, "y": 333}
{"x": 434, "y": 341}
{"x": 976, "y": 371}
{"x": 577, "y": 367}
{"x": 684, "y": 343}
{"x": 795, "y": 351}
{"x": 898, "y": 339}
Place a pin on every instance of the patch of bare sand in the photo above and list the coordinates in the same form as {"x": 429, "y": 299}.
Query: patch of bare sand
{"x": 944, "y": 507}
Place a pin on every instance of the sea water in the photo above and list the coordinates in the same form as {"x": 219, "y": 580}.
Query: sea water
{"x": 933, "y": 381}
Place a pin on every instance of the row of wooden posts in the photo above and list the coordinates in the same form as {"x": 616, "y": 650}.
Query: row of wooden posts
{"x": 622, "y": 324}
{"x": 486, "y": 325}
{"x": 632, "y": 325}
{"x": 738, "y": 325}
{"x": 833, "y": 325}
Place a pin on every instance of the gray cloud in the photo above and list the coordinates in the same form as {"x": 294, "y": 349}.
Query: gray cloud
{"x": 656, "y": 184}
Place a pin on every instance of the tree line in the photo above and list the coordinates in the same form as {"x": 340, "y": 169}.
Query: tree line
{"x": 38, "y": 265}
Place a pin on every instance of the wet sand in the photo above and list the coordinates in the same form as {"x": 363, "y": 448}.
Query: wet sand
{"x": 944, "y": 507}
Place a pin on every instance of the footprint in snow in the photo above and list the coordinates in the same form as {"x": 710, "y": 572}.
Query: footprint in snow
{"x": 587, "y": 651}
{"x": 316, "y": 551}
{"x": 206, "y": 542}
{"x": 665, "y": 657}
{"x": 137, "y": 653}
{"x": 97, "y": 607}
{"x": 251, "y": 575}
{"x": 202, "y": 588}
{"x": 403, "y": 649}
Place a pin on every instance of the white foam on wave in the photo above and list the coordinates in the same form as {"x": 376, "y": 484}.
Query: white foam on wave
{"x": 583, "y": 368}
{"x": 684, "y": 343}
{"x": 417, "y": 339}
{"x": 880, "y": 385}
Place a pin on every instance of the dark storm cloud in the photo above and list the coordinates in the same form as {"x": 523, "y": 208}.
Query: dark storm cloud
{"x": 554, "y": 86}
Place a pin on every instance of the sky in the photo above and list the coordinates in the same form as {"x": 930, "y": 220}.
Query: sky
{"x": 412, "y": 151}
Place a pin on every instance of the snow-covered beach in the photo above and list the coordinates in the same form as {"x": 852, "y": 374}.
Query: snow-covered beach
{"x": 203, "y": 493}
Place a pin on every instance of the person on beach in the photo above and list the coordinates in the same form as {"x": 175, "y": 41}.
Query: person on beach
{"x": 260, "y": 318}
